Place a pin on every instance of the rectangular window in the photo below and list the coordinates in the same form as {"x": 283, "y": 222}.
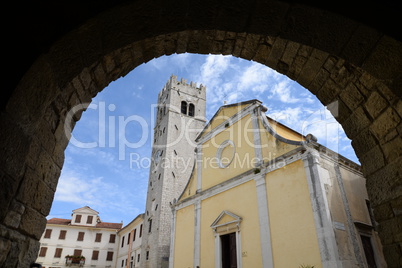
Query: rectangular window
{"x": 138, "y": 258}
{"x": 57, "y": 253}
{"x": 122, "y": 263}
{"x": 122, "y": 241}
{"x": 135, "y": 233}
{"x": 150, "y": 226}
{"x": 80, "y": 236}
{"x": 62, "y": 234}
{"x": 48, "y": 233}
{"x": 147, "y": 256}
{"x": 140, "y": 230}
{"x": 98, "y": 237}
{"x": 112, "y": 238}
{"x": 128, "y": 238}
{"x": 109, "y": 256}
{"x": 89, "y": 219}
{"x": 95, "y": 255}
{"x": 77, "y": 218}
{"x": 42, "y": 252}
{"x": 77, "y": 252}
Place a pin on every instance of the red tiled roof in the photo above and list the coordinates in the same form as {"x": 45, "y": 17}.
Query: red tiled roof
{"x": 59, "y": 221}
{"x": 109, "y": 225}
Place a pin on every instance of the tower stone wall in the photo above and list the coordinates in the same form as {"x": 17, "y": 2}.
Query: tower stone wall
{"x": 180, "y": 116}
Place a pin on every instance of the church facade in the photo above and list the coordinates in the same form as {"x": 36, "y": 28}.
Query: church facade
{"x": 263, "y": 195}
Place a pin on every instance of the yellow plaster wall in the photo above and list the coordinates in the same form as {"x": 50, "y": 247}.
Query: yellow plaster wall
{"x": 293, "y": 234}
{"x": 285, "y": 132}
{"x": 191, "y": 186}
{"x": 271, "y": 147}
{"x": 224, "y": 114}
{"x": 242, "y": 136}
{"x": 184, "y": 238}
{"x": 242, "y": 201}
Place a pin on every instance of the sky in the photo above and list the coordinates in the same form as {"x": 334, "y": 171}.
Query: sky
{"x": 107, "y": 160}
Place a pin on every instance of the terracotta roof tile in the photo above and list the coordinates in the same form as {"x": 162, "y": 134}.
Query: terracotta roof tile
{"x": 110, "y": 225}
{"x": 59, "y": 221}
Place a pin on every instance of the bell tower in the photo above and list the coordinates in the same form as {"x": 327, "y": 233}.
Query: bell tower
{"x": 180, "y": 116}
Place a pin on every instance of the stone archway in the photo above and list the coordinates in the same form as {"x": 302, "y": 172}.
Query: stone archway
{"x": 337, "y": 59}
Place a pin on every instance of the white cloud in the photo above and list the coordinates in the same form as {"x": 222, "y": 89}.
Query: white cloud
{"x": 282, "y": 91}
{"x": 214, "y": 67}
{"x": 82, "y": 189}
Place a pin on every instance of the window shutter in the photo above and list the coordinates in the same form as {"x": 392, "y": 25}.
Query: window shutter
{"x": 80, "y": 236}
{"x": 62, "y": 234}
{"x": 95, "y": 254}
{"x": 48, "y": 233}
{"x": 42, "y": 252}
{"x": 90, "y": 219}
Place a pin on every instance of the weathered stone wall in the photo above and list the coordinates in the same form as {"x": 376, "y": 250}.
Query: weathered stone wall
{"x": 337, "y": 59}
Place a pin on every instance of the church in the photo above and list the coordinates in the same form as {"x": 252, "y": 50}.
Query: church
{"x": 263, "y": 195}
{"x": 257, "y": 193}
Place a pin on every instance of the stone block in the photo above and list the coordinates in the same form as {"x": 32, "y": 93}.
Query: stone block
{"x": 375, "y": 104}
{"x": 392, "y": 149}
{"x": 345, "y": 74}
{"x": 383, "y": 60}
{"x": 12, "y": 219}
{"x": 14, "y": 147}
{"x": 384, "y": 123}
{"x": 328, "y": 92}
{"x": 373, "y": 160}
{"x": 360, "y": 44}
{"x": 392, "y": 252}
{"x": 262, "y": 53}
{"x": 396, "y": 205}
{"x": 14, "y": 214}
{"x": 250, "y": 46}
{"x": 48, "y": 170}
{"x": 319, "y": 80}
{"x": 385, "y": 184}
{"x": 238, "y": 44}
{"x": 351, "y": 96}
{"x": 5, "y": 246}
{"x": 356, "y": 123}
{"x": 276, "y": 53}
{"x": 383, "y": 212}
{"x": 364, "y": 141}
{"x": 33, "y": 223}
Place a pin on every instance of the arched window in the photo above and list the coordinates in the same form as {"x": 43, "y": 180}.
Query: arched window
{"x": 184, "y": 107}
{"x": 191, "y": 109}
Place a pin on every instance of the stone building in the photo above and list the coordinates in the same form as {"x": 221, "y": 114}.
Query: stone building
{"x": 180, "y": 116}
{"x": 263, "y": 195}
{"x": 83, "y": 235}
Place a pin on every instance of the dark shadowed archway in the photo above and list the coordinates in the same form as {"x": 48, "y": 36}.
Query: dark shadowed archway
{"x": 338, "y": 59}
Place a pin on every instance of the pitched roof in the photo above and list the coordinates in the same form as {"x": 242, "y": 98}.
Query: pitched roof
{"x": 108, "y": 225}
{"x": 59, "y": 221}
{"x": 86, "y": 209}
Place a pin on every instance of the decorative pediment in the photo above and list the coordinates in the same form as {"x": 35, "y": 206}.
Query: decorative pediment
{"x": 85, "y": 210}
{"x": 226, "y": 222}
